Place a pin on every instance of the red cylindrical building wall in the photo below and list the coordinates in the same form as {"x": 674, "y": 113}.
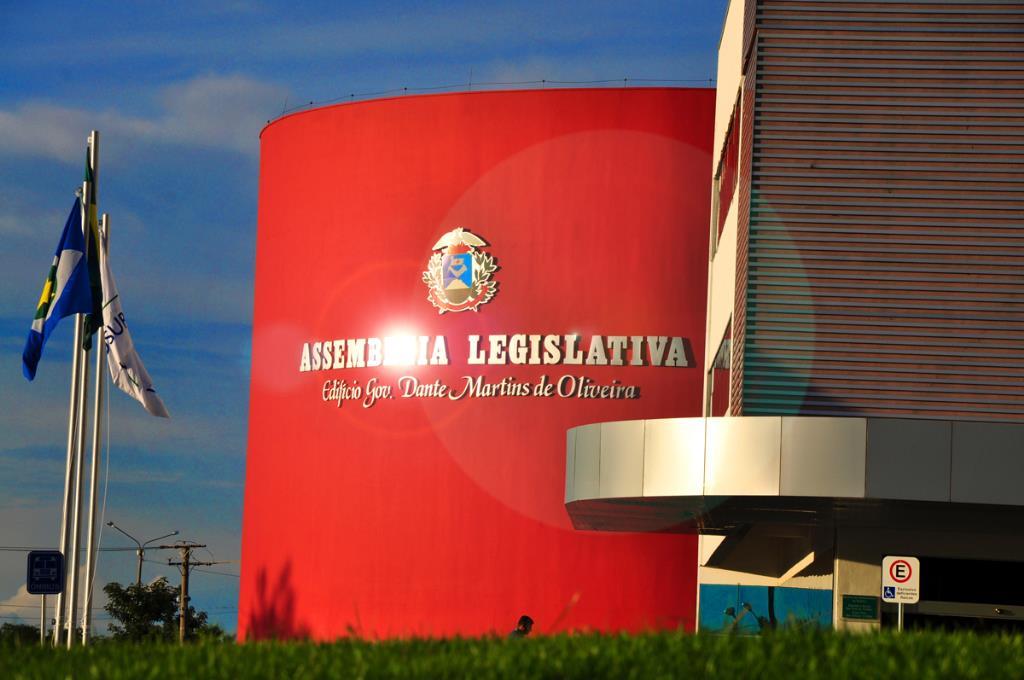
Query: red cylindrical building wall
{"x": 427, "y": 514}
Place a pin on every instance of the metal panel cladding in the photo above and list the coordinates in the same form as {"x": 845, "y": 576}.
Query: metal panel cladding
{"x": 407, "y": 436}
{"x": 884, "y": 234}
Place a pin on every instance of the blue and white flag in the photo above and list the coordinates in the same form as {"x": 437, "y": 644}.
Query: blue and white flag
{"x": 126, "y": 368}
{"x": 65, "y": 292}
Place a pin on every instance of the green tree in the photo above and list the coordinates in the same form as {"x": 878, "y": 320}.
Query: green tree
{"x": 150, "y": 613}
{"x": 19, "y": 634}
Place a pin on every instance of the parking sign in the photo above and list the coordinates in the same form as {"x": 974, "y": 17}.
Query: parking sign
{"x": 901, "y": 579}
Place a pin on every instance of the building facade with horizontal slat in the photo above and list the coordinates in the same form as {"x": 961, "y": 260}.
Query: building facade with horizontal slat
{"x": 882, "y": 259}
{"x": 864, "y": 355}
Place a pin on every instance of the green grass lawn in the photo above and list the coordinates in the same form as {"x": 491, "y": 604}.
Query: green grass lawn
{"x": 787, "y": 655}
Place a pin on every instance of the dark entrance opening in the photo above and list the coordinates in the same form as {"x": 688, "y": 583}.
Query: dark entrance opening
{"x": 959, "y": 594}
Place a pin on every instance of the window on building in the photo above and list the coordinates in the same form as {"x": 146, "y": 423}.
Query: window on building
{"x": 718, "y": 377}
{"x": 727, "y": 176}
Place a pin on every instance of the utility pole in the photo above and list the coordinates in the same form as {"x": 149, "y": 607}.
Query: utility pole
{"x": 186, "y": 553}
{"x": 185, "y": 566}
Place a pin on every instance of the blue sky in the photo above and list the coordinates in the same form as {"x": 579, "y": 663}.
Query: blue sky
{"x": 179, "y": 92}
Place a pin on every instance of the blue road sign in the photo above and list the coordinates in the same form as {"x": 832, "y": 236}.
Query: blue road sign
{"x": 45, "y": 572}
{"x": 889, "y": 591}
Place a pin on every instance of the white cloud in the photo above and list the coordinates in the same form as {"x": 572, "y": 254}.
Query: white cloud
{"x": 342, "y": 41}
{"x": 30, "y": 229}
{"x": 25, "y": 606}
{"x": 43, "y": 129}
{"x": 25, "y": 223}
{"x": 22, "y": 607}
{"x": 421, "y": 30}
{"x": 220, "y": 298}
{"x": 598, "y": 66}
{"x": 132, "y": 427}
{"x": 218, "y": 111}
{"x": 224, "y": 112}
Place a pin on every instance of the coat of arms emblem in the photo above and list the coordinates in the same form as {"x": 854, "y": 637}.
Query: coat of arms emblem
{"x": 458, "y": 275}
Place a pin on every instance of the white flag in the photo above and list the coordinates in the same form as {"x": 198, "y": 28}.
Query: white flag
{"x": 126, "y": 369}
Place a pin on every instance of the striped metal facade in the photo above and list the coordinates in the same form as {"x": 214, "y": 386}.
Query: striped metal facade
{"x": 743, "y": 231}
{"x": 880, "y": 265}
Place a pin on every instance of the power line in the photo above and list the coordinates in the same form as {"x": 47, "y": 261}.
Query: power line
{"x": 100, "y": 609}
{"x": 22, "y": 618}
{"x": 219, "y": 573}
{"x": 28, "y": 548}
{"x": 36, "y": 607}
{"x": 205, "y": 571}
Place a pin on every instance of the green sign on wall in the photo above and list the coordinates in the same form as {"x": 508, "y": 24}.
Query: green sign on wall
{"x": 863, "y": 607}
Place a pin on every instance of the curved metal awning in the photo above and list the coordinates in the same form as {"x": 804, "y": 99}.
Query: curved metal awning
{"x": 715, "y": 474}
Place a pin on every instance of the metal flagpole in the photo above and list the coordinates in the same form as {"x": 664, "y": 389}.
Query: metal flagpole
{"x": 69, "y": 471}
{"x": 76, "y": 523}
{"x": 97, "y": 434}
{"x": 76, "y": 509}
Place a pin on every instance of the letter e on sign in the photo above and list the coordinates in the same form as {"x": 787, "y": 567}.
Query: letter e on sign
{"x": 901, "y": 579}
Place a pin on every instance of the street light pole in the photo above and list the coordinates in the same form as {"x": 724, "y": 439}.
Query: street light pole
{"x": 141, "y": 548}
